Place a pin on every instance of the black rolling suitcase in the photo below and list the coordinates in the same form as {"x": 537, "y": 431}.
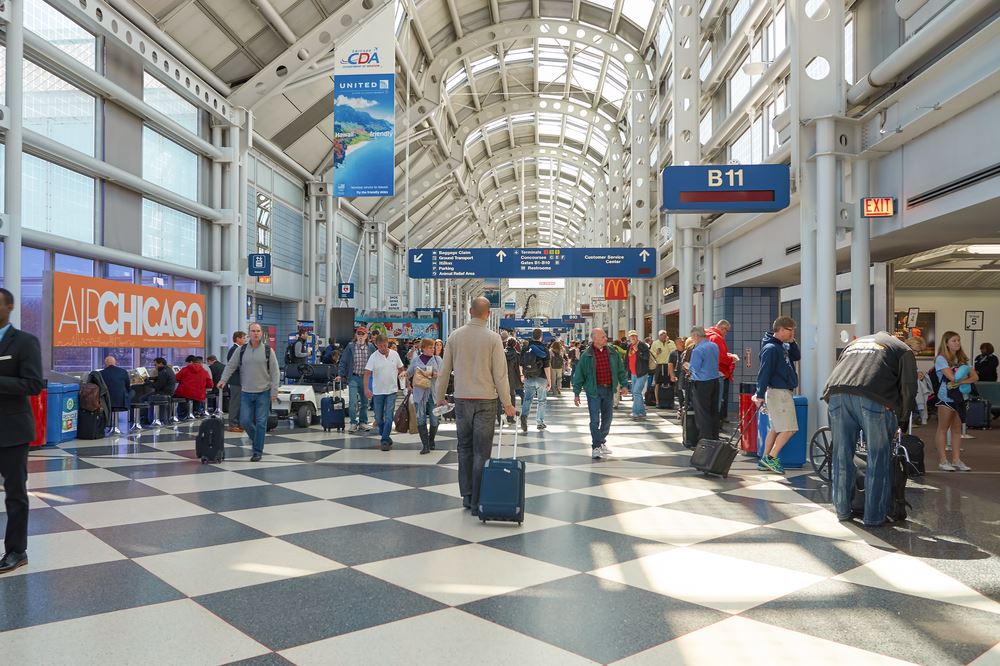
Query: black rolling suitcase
{"x": 501, "y": 493}
{"x": 977, "y": 414}
{"x": 90, "y": 425}
{"x": 272, "y": 421}
{"x": 209, "y": 445}
{"x": 714, "y": 456}
{"x": 689, "y": 427}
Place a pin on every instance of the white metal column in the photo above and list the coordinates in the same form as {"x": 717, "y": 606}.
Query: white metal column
{"x": 686, "y": 148}
{"x": 14, "y": 141}
{"x": 861, "y": 254}
{"x": 816, "y": 38}
{"x": 708, "y": 295}
{"x": 332, "y": 220}
{"x": 216, "y": 336}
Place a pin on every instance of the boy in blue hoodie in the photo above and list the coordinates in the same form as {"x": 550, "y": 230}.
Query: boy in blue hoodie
{"x": 776, "y": 380}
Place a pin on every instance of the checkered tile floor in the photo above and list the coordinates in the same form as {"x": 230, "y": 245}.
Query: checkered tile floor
{"x": 331, "y": 551}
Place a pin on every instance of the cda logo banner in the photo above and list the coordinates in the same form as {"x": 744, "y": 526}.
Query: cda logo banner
{"x": 89, "y": 312}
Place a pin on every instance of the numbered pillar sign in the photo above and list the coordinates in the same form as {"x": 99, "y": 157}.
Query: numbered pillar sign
{"x": 973, "y": 320}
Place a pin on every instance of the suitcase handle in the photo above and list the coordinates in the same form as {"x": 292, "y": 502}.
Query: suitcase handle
{"x": 736, "y": 436}
{"x": 500, "y": 439}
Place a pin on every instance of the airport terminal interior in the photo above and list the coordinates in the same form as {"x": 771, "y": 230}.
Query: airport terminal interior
{"x": 178, "y": 171}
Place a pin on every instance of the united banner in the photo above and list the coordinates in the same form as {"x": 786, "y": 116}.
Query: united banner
{"x": 364, "y": 110}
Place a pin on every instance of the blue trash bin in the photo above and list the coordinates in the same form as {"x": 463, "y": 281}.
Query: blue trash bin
{"x": 63, "y": 408}
{"x": 794, "y": 452}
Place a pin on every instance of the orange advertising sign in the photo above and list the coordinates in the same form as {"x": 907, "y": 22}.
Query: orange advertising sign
{"x": 616, "y": 289}
{"x": 90, "y": 312}
{"x": 878, "y": 207}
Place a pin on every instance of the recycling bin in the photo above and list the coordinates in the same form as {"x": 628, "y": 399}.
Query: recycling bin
{"x": 63, "y": 408}
{"x": 793, "y": 454}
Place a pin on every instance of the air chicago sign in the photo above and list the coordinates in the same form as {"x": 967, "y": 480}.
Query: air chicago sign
{"x": 89, "y": 312}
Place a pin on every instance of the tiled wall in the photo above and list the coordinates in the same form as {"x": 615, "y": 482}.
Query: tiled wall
{"x": 750, "y": 310}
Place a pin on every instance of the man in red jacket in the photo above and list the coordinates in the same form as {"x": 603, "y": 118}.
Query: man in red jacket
{"x": 192, "y": 382}
{"x": 727, "y": 364}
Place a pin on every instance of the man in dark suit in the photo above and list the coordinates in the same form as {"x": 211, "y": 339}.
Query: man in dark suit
{"x": 20, "y": 376}
{"x": 119, "y": 384}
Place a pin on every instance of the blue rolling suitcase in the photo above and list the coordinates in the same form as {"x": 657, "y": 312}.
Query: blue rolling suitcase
{"x": 332, "y": 414}
{"x": 501, "y": 493}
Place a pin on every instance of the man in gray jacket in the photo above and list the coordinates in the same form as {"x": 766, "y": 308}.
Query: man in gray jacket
{"x": 258, "y": 367}
{"x": 475, "y": 354}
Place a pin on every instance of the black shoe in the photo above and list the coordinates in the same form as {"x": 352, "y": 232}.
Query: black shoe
{"x": 386, "y": 446}
{"x": 541, "y": 426}
{"x": 255, "y": 457}
{"x": 475, "y": 511}
{"x": 425, "y": 450}
{"x": 524, "y": 424}
{"x": 13, "y": 561}
{"x": 467, "y": 501}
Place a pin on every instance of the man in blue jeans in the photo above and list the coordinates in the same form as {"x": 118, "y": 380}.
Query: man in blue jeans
{"x": 383, "y": 369}
{"x": 871, "y": 389}
{"x": 600, "y": 373}
{"x": 638, "y": 370}
{"x": 258, "y": 367}
{"x": 352, "y": 370}
{"x": 537, "y": 373}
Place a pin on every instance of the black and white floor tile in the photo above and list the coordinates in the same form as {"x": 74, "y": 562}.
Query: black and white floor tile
{"x": 330, "y": 551}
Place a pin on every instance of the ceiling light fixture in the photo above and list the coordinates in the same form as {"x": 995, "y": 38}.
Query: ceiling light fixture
{"x": 756, "y": 68}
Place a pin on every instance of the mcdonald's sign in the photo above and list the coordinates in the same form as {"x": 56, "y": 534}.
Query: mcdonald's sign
{"x": 616, "y": 289}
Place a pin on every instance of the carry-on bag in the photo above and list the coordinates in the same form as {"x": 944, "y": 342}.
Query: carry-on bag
{"x": 209, "y": 445}
{"x": 898, "y": 464}
{"x": 332, "y": 414}
{"x": 272, "y": 421}
{"x": 977, "y": 414}
{"x": 715, "y": 456}
{"x": 401, "y": 419}
{"x": 501, "y": 493}
{"x": 914, "y": 452}
{"x": 90, "y": 424}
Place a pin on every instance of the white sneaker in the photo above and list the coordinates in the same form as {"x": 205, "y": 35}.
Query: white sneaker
{"x": 365, "y": 427}
{"x": 961, "y": 467}
{"x": 596, "y": 453}
{"x": 946, "y": 467}
{"x": 605, "y": 450}
{"x": 352, "y": 428}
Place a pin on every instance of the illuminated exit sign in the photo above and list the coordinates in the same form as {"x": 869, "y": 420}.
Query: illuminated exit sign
{"x": 878, "y": 207}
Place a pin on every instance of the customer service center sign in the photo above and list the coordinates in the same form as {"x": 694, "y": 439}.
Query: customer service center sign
{"x": 88, "y": 312}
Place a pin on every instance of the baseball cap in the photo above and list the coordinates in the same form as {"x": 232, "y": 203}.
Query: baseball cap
{"x": 361, "y": 329}
{"x": 631, "y": 333}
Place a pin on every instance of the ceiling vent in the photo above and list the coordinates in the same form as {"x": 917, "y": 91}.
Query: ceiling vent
{"x": 747, "y": 267}
{"x": 969, "y": 180}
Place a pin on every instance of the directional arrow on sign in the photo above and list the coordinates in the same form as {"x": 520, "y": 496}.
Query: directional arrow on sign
{"x": 644, "y": 254}
{"x": 418, "y": 258}
{"x": 500, "y": 255}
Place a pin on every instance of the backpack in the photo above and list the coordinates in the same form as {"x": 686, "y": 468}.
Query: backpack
{"x": 290, "y": 353}
{"x": 267, "y": 355}
{"x": 532, "y": 364}
{"x": 90, "y": 397}
{"x": 898, "y": 461}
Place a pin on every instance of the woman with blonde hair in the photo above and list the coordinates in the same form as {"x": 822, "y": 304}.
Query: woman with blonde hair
{"x": 951, "y": 362}
{"x": 423, "y": 371}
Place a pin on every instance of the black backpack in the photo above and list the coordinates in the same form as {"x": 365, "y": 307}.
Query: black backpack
{"x": 290, "y": 353}
{"x": 532, "y": 364}
{"x": 898, "y": 461}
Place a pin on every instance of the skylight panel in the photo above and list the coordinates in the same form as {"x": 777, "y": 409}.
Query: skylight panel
{"x": 639, "y": 12}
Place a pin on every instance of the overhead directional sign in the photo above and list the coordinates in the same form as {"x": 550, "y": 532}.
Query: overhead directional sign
{"x": 510, "y": 323}
{"x": 259, "y": 265}
{"x": 730, "y": 188}
{"x": 569, "y": 320}
{"x": 520, "y": 262}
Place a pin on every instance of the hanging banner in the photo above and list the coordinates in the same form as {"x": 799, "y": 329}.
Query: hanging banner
{"x": 364, "y": 110}
{"x": 90, "y": 312}
{"x": 401, "y": 327}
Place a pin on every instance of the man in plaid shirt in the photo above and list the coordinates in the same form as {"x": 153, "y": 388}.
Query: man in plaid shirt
{"x": 600, "y": 373}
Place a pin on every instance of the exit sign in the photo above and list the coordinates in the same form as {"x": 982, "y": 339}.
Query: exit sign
{"x": 878, "y": 207}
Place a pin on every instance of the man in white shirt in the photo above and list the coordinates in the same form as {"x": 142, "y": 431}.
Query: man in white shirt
{"x": 381, "y": 382}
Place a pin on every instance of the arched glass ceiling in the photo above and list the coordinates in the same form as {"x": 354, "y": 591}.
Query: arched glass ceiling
{"x": 551, "y": 124}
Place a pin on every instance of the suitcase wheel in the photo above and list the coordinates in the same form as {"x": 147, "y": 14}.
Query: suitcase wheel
{"x": 204, "y": 461}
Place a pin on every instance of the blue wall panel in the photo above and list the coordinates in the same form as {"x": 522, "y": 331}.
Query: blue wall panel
{"x": 286, "y": 238}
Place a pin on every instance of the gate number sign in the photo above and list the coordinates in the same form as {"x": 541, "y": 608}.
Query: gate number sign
{"x": 973, "y": 320}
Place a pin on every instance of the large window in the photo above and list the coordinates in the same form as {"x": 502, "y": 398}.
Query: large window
{"x": 169, "y": 164}
{"x": 74, "y": 359}
{"x": 47, "y": 22}
{"x": 57, "y": 200}
{"x": 57, "y": 109}
{"x": 264, "y": 226}
{"x": 166, "y": 101}
{"x": 169, "y": 234}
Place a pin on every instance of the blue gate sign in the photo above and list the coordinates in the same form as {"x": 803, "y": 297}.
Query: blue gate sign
{"x": 729, "y": 188}
{"x": 345, "y": 290}
{"x": 259, "y": 265}
{"x": 528, "y": 262}
{"x": 570, "y": 320}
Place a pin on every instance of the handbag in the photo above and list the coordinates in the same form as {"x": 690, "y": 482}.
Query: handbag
{"x": 401, "y": 419}
{"x": 412, "y": 403}
{"x": 420, "y": 380}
